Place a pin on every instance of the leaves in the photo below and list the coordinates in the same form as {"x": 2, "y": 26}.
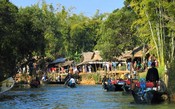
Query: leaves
{"x": 117, "y": 35}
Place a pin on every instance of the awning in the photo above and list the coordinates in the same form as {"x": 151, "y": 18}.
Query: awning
{"x": 59, "y": 60}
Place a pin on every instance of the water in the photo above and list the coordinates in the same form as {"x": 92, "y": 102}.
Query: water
{"x": 61, "y": 97}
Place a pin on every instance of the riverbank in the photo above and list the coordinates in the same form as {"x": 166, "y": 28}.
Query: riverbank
{"x": 83, "y": 78}
{"x": 23, "y": 80}
{"x": 90, "y": 78}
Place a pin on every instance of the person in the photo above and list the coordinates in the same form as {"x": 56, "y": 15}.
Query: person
{"x": 152, "y": 74}
{"x": 149, "y": 63}
{"x": 67, "y": 77}
{"x": 104, "y": 79}
{"x": 89, "y": 68}
{"x": 44, "y": 78}
{"x": 129, "y": 66}
{"x": 109, "y": 81}
{"x": 114, "y": 64}
{"x": 75, "y": 70}
{"x": 30, "y": 68}
{"x": 58, "y": 78}
{"x": 71, "y": 82}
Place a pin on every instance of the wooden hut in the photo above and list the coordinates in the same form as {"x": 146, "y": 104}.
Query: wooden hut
{"x": 92, "y": 59}
{"x": 139, "y": 55}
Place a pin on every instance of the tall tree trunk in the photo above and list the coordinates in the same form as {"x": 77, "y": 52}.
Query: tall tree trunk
{"x": 162, "y": 35}
{"x": 172, "y": 47}
{"x": 153, "y": 36}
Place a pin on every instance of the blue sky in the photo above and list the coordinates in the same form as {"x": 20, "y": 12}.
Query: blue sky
{"x": 87, "y": 7}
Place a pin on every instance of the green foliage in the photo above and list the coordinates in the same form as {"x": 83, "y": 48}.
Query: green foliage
{"x": 161, "y": 70}
{"x": 42, "y": 31}
{"x": 92, "y": 76}
{"x": 155, "y": 25}
{"x": 171, "y": 74}
{"x": 142, "y": 75}
{"x": 8, "y": 39}
{"x": 117, "y": 35}
{"x": 97, "y": 77}
{"x": 30, "y": 32}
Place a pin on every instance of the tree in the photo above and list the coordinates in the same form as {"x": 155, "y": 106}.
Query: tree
{"x": 158, "y": 17}
{"x": 8, "y": 49}
{"x": 151, "y": 17}
{"x": 117, "y": 35}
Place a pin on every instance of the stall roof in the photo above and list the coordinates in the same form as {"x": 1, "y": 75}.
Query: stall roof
{"x": 67, "y": 63}
{"x": 58, "y": 60}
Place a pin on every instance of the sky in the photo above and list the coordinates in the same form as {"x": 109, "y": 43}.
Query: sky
{"x": 87, "y": 7}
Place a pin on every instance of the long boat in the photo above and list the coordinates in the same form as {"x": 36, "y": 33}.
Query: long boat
{"x": 127, "y": 86}
{"x": 6, "y": 85}
{"x": 148, "y": 93}
{"x": 35, "y": 83}
{"x": 113, "y": 85}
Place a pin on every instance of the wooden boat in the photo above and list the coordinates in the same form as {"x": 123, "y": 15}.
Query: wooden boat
{"x": 147, "y": 93}
{"x": 55, "y": 82}
{"x": 72, "y": 85}
{"x": 52, "y": 82}
{"x": 127, "y": 86}
{"x": 6, "y": 85}
{"x": 113, "y": 85}
{"x": 35, "y": 83}
{"x": 108, "y": 86}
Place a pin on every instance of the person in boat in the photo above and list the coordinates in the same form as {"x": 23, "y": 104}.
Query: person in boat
{"x": 59, "y": 78}
{"x": 109, "y": 81}
{"x": 35, "y": 82}
{"x": 71, "y": 81}
{"x": 44, "y": 78}
{"x": 67, "y": 78}
{"x": 152, "y": 74}
{"x": 104, "y": 79}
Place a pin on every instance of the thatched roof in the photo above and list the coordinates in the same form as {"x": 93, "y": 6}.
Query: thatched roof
{"x": 87, "y": 56}
{"x": 90, "y": 57}
{"x": 136, "y": 52}
{"x": 139, "y": 54}
{"x": 96, "y": 56}
{"x": 126, "y": 54}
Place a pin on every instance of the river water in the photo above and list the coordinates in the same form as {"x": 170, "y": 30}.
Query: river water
{"x": 61, "y": 97}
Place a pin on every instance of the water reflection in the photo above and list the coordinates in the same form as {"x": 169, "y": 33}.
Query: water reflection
{"x": 61, "y": 97}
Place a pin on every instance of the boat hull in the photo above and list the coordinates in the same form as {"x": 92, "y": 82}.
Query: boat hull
{"x": 149, "y": 93}
{"x": 34, "y": 84}
{"x": 72, "y": 85}
{"x": 112, "y": 87}
{"x": 55, "y": 82}
{"x": 149, "y": 97}
{"x": 6, "y": 85}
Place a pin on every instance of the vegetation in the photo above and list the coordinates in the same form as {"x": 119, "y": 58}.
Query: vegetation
{"x": 90, "y": 78}
{"x": 116, "y": 34}
{"x": 154, "y": 25}
{"x": 44, "y": 31}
